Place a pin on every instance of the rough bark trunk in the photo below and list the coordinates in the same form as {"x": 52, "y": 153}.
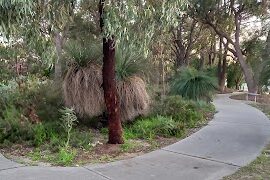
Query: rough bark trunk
{"x": 247, "y": 71}
{"x": 109, "y": 85}
{"x": 222, "y": 67}
{"x": 248, "y": 74}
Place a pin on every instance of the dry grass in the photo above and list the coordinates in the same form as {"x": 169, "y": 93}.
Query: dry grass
{"x": 83, "y": 90}
{"x": 134, "y": 100}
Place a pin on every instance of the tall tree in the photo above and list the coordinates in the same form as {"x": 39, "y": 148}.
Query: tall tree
{"x": 185, "y": 35}
{"x": 222, "y": 65}
{"x": 109, "y": 83}
{"x": 212, "y": 12}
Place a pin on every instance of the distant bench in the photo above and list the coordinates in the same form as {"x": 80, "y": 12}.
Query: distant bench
{"x": 252, "y": 94}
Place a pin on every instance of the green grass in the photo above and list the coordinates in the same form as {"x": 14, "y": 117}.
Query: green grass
{"x": 150, "y": 128}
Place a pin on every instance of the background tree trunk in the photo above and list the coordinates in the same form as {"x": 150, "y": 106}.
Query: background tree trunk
{"x": 58, "y": 65}
{"x": 109, "y": 85}
{"x": 222, "y": 66}
{"x": 248, "y": 74}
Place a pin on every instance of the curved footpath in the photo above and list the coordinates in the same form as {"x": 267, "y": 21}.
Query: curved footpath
{"x": 234, "y": 138}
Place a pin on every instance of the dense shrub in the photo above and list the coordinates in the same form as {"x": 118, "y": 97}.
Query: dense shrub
{"x": 152, "y": 127}
{"x": 13, "y": 126}
{"x": 38, "y": 96}
{"x": 186, "y": 111}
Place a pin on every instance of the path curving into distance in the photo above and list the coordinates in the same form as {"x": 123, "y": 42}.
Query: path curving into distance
{"x": 234, "y": 138}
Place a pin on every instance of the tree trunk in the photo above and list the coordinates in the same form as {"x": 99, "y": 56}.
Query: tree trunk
{"x": 247, "y": 71}
{"x": 248, "y": 74}
{"x": 109, "y": 85}
{"x": 58, "y": 66}
{"x": 202, "y": 59}
{"x": 222, "y": 67}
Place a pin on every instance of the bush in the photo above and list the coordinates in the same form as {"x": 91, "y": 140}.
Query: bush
{"x": 41, "y": 96}
{"x": 40, "y": 135}
{"x": 186, "y": 111}
{"x": 152, "y": 127}
{"x": 65, "y": 156}
{"x": 13, "y": 126}
{"x": 193, "y": 84}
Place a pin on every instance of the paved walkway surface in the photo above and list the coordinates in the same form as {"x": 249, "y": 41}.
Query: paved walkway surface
{"x": 235, "y": 137}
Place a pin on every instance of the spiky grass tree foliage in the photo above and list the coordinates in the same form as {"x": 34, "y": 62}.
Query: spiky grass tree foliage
{"x": 130, "y": 61}
{"x": 83, "y": 85}
{"x": 193, "y": 84}
{"x": 84, "y": 52}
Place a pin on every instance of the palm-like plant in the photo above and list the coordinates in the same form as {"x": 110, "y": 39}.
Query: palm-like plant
{"x": 193, "y": 84}
{"x": 129, "y": 61}
{"x": 84, "y": 52}
{"x": 83, "y": 82}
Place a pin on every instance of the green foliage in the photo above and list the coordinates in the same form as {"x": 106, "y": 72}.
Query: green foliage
{"x": 129, "y": 61}
{"x": 265, "y": 74}
{"x": 40, "y": 135}
{"x": 13, "y": 126}
{"x": 193, "y": 84}
{"x": 81, "y": 139}
{"x": 234, "y": 75}
{"x": 41, "y": 94}
{"x": 185, "y": 111}
{"x": 68, "y": 120}
{"x": 127, "y": 146}
{"x": 84, "y": 53}
{"x": 65, "y": 156}
{"x": 152, "y": 127}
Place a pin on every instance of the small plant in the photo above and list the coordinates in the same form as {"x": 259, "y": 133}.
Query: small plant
{"x": 129, "y": 145}
{"x": 68, "y": 119}
{"x": 65, "y": 156}
{"x": 40, "y": 135}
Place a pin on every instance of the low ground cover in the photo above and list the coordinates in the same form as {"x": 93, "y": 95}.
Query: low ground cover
{"x": 34, "y": 131}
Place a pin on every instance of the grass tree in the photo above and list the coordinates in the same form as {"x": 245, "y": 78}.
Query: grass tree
{"x": 113, "y": 25}
{"x": 109, "y": 83}
{"x": 193, "y": 84}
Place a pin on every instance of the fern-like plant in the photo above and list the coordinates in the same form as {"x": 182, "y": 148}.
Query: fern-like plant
{"x": 193, "y": 84}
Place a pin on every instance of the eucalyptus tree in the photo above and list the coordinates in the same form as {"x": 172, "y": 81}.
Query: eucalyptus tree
{"x": 185, "y": 36}
{"x": 118, "y": 20}
{"x": 214, "y": 13}
{"x": 265, "y": 74}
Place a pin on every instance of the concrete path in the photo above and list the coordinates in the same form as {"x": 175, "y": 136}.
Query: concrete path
{"x": 235, "y": 137}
